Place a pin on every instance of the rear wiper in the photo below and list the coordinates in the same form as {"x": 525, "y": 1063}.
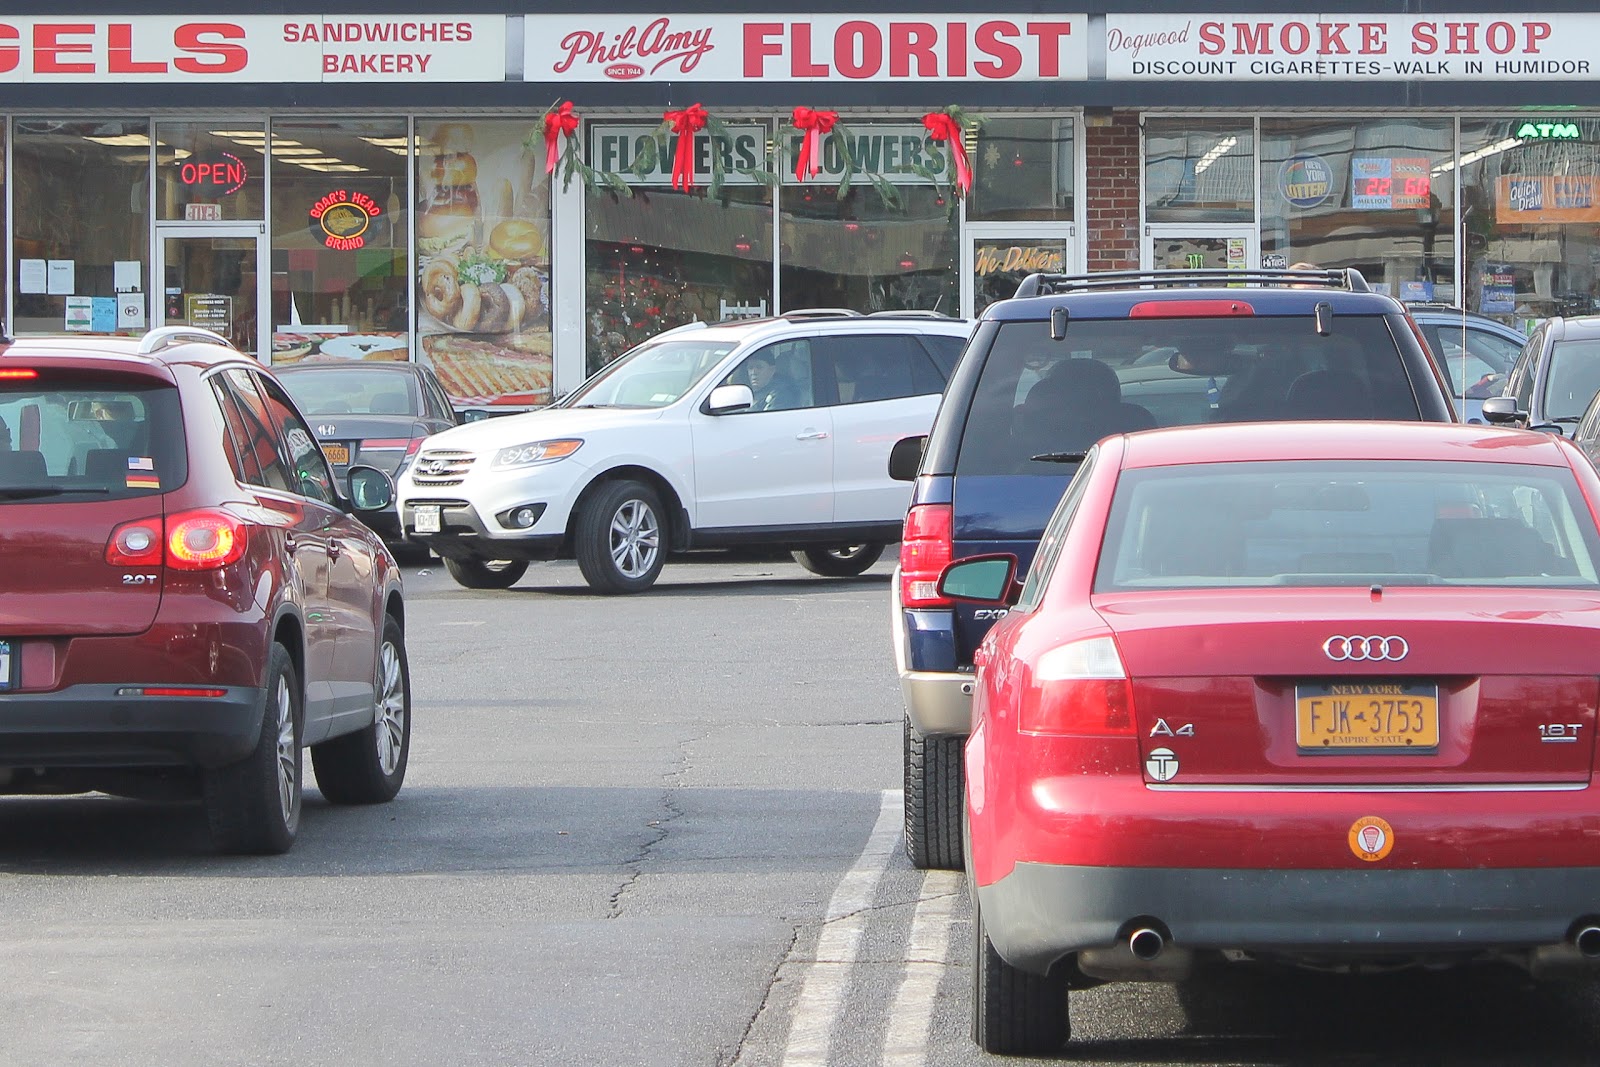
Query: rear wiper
{"x": 25, "y": 492}
{"x": 1059, "y": 457}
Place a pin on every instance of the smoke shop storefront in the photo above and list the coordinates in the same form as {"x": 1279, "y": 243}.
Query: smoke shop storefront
{"x": 516, "y": 198}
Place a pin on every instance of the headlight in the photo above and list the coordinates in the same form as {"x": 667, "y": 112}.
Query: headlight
{"x": 534, "y": 452}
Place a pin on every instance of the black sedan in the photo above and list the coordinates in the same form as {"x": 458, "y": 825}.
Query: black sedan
{"x": 368, "y": 412}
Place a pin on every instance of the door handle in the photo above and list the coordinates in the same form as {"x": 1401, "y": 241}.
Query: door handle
{"x": 290, "y": 542}
{"x": 812, "y": 435}
{"x": 334, "y": 548}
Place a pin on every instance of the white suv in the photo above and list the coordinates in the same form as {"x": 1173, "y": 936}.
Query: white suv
{"x": 772, "y": 432}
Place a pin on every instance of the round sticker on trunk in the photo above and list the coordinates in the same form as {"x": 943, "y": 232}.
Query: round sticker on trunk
{"x": 1371, "y": 839}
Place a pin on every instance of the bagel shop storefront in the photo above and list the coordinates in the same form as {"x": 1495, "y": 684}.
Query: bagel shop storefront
{"x": 377, "y": 184}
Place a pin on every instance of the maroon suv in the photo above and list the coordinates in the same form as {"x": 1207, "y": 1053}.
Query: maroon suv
{"x": 186, "y": 597}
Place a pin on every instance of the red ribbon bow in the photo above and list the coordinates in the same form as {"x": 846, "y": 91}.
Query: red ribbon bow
{"x": 814, "y": 124}
{"x": 942, "y": 127}
{"x": 686, "y": 123}
{"x": 561, "y": 120}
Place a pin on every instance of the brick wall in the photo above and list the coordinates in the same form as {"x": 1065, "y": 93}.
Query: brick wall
{"x": 1111, "y": 193}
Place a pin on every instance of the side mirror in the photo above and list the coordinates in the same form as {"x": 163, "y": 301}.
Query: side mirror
{"x": 370, "y": 488}
{"x": 1550, "y": 427}
{"x": 1502, "y": 411}
{"x": 984, "y": 579}
{"x": 725, "y": 399}
{"x": 905, "y": 457}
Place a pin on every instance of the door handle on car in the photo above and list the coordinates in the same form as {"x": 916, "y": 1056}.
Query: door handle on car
{"x": 334, "y": 548}
{"x": 812, "y": 435}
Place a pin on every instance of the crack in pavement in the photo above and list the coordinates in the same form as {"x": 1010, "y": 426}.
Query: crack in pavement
{"x": 766, "y": 997}
{"x": 669, "y": 801}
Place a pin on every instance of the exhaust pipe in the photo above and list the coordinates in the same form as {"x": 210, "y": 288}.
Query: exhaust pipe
{"x": 1146, "y": 944}
{"x": 1587, "y": 942}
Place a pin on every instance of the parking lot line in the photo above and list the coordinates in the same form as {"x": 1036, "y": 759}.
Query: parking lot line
{"x": 906, "y": 1044}
{"x": 822, "y": 989}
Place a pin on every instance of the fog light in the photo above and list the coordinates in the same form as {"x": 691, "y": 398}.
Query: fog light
{"x": 521, "y": 517}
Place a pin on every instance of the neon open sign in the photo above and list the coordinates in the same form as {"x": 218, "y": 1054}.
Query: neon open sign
{"x": 220, "y": 176}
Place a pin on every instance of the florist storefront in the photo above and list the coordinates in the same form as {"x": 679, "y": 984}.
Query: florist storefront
{"x": 516, "y": 198}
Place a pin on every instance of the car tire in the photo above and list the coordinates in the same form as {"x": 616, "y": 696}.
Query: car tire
{"x": 1015, "y": 1013}
{"x": 368, "y": 766}
{"x": 620, "y": 538}
{"x": 486, "y": 574}
{"x": 933, "y": 796}
{"x": 253, "y": 805}
{"x": 846, "y": 561}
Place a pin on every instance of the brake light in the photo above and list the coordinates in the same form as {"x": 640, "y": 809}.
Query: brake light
{"x": 1189, "y": 309}
{"x": 137, "y": 543}
{"x": 926, "y": 549}
{"x": 170, "y": 691}
{"x": 204, "y": 540}
{"x": 414, "y": 446}
{"x": 1080, "y": 688}
{"x": 13, "y": 374}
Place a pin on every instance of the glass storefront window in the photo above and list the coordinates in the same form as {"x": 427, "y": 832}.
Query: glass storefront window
{"x": 1374, "y": 194}
{"x": 339, "y": 239}
{"x": 483, "y": 253}
{"x": 212, "y": 171}
{"x": 81, "y": 213}
{"x": 663, "y": 257}
{"x": 1196, "y": 171}
{"x": 1531, "y": 218}
{"x": 1023, "y": 170}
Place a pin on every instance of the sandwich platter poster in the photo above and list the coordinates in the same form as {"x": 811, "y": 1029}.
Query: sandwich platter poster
{"x": 482, "y": 228}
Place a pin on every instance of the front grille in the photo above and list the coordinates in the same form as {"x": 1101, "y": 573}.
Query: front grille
{"x": 442, "y": 466}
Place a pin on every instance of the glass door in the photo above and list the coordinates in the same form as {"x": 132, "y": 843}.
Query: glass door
{"x": 212, "y": 277}
{"x": 1202, "y": 247}
{"x": 996, "y": 256}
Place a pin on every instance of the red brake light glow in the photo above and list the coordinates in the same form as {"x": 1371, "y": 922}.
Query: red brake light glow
{"x": 926, "y": 549}
{"x": 1080, "y": 688}
{"x": 1189, "y": 309}
{"x": 172, "y": 691}
{"x": 18, "y": 374}
{"x": 204, "y": 540}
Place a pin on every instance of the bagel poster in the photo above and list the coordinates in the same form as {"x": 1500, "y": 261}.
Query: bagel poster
{"x": 483, "y": 251}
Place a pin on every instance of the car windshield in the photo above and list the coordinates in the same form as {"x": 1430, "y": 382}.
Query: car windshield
{"x": 1347, "y": 523}
{"x": 655, "y": 374}
{"x": 1573, "y": 380}
{"x": 88, "y": 439}
{"x": 357, "y": 391}
{"x": 1475, "y": 360}
{"x": 1048, "y": 401}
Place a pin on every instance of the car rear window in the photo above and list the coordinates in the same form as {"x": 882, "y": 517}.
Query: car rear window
{"x": 1573, "y": 380}
{"x": 1039, "y": 397}
{"x": 1343, "y": 523}
{"x": 356, "y": 391}
{"x": 89, "y": 439}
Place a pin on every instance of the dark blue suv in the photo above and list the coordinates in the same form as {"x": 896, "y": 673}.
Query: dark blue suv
{"x": 1071, "y": 360}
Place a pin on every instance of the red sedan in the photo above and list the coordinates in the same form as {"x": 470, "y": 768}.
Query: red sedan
{"x": 1320, "y": 695}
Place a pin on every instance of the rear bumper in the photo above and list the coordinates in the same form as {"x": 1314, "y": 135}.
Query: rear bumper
{"x": 938, "y": 702}
{"x": 1039, "y": 913}
{"x": 91, "y": 726}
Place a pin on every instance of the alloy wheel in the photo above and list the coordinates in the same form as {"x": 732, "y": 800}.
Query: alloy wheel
{"x": 391, "y": 729}
{"x": 635, "y": 538}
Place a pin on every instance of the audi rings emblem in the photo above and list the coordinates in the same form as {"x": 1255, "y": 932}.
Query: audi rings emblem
{"x": 1341, "y": 649}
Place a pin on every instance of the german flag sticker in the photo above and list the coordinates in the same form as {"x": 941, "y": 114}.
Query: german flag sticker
{"x": 1371, "y": 839}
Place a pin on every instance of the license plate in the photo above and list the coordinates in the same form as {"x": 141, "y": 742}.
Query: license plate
{"x": 338, "y": 455}
{"x": 6, "y": 681}
{"x": 1366, "y": 717}
{"x": 426, "y": 518}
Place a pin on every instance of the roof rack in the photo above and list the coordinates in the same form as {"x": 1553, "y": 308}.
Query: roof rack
{"x": 821, "y": 313}
{"x": 167, "y": 336}
{"x": 908, "y": 313}
{"x": 1336, "y": 278}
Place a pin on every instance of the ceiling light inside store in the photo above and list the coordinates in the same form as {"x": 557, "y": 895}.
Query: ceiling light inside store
{"x": 326, "y": 166}
{"x": 296, "y": 151}
{"x": 1481, "y": 153}
{"x": 387, "y": 142}
{"x": 237, "y": 133}
{"x": 123, "y": 140}
{"x": 1216, "y": 152}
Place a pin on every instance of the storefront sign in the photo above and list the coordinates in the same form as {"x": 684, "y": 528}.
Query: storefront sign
{"x": 998, "y": 257}
{"x": 210, "y": 311}
{"x": 1550, "y": 131}
{"x": 1305, "y": 180}
{"x": 1383, "y": 183}
{"x": 902, "y": 154}
{"x": 615, "y": 148}
{"x": 727, "y": 47}
{"x": 1345, "y": 47}
{"x": 1539, "y": 200}
{"x": 340, "y": 219}
{"x": 221, "y": 176}
{"x": 253, "y": 48}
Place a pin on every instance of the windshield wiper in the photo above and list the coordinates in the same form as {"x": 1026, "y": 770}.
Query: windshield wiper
{"x": 1567, "y": 418}
{"x": 24, "y": 492}
{"x": 1059, "y": 457}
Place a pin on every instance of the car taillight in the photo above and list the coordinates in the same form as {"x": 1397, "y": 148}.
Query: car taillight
{"x": 204, "y": 540}
{"x": 413, "y": 446}
{"x": 18, "y": 374}
{"x": 137, "y": 543}
{"x": 1080, "y": 688}
{"x": 926, "y": 548}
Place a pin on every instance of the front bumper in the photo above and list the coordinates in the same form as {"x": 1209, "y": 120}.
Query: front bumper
{"x": 91, "y": 726}
{"x": 1040, "y": 913}
{"x": 464, "y": 534}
